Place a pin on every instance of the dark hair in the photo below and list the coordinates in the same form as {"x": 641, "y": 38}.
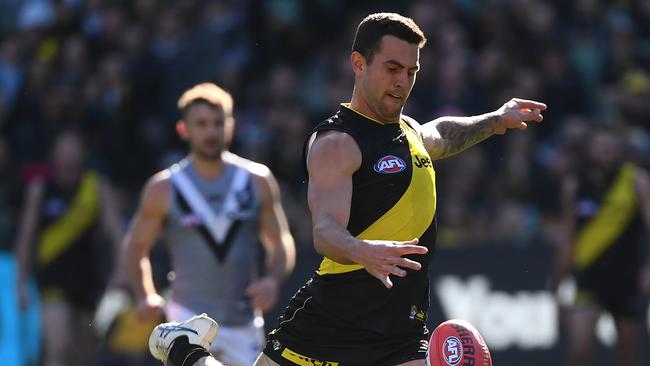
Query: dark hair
{"x": 370, "y": 31}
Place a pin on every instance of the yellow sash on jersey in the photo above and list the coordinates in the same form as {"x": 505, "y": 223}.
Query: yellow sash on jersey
{"x": 409, "y": 218}
{"x": 617, "y": 210}
{"x": 59, "y": 235}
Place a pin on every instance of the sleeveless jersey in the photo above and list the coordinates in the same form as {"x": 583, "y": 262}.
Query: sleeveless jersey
{"x": 608, "y": 247}
{"x": 66, "y": 253}
{"x": 211, "y": 276}
{"x": 342, "y": 308}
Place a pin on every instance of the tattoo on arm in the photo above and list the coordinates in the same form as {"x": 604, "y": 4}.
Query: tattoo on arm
{"x": 460, "y": 133}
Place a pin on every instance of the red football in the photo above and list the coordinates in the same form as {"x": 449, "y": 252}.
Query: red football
{"x": 457, "y": 343}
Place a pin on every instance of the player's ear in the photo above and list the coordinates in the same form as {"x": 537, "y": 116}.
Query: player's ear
{"x": 181, "y": 129}
{"x": 358, "y": 63}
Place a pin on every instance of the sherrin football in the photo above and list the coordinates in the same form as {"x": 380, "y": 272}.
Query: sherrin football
{"x": 457, "y": 343}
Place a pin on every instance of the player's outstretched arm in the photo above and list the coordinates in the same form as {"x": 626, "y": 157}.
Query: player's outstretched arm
{"x": 446, "y": 136}
{"x": 332, "y": 159}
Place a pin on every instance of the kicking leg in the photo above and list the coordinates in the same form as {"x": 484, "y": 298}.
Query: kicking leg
{"x": 185, "y": 343}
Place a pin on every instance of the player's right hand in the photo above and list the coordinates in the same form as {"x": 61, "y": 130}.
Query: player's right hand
{"x": 151, "y": 308}
{"x": 383, "y": 258}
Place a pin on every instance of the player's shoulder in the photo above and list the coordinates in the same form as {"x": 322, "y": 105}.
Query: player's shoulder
{"x": 332, "y": 142}
{"x": 159, "y": 183}
{"x": 343, "y": 121}
{"x": 160, "y": 177}
{"x": 253, "y": 167}
{"x": 334, "y": 136}
{"x": 332, "y": 151}
{"x": 412, "y": 122}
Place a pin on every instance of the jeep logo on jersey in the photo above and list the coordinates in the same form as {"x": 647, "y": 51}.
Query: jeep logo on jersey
{"x": 452, "y": 351}
{"x": 390, "y": 164}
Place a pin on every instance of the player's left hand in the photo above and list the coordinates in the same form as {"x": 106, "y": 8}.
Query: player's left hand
{"x": 263, "y": 293}
{"x": 516, "y": 112}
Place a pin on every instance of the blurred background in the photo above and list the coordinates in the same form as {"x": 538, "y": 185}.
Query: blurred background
{"x": 113, "y": 70}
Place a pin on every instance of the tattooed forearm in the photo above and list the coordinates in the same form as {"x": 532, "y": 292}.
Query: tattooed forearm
{"x": 460, "y": 133}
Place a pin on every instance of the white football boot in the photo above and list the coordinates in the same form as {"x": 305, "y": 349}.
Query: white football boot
{"x": 199, "y": 329}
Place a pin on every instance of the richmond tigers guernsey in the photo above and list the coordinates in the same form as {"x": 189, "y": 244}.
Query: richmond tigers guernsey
{"x": 609, "y": 242}
{"x": 67, "y": 250}
{"x": 343, "y": 315}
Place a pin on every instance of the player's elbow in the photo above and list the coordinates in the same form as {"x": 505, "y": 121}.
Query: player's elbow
{"x": 134, "y": 251}
{"x": 318, "y": 233}
{"x": 319, "y": 248}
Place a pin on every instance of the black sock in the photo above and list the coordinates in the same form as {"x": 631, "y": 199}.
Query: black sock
{"x": 185, "y": 354}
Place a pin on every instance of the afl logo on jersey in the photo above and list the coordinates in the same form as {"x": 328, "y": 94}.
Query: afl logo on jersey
{"x": 452, "y": 351}
{"x": 390, "y": 164}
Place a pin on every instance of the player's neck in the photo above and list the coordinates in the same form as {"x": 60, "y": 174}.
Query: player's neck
{"x": 67, "y": 178}
{"x": 209, "y": 169}
{"x": 359, "y": 105}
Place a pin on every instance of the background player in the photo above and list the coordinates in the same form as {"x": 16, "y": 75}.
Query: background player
{"x": 67, "y": 218}
{"x": 606, "y": 218}
{"x": 214, "y": 208}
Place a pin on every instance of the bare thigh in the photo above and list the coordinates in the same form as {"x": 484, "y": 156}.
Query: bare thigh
{"x": 68, "y": 338}
{"x": 57, "y": 333}
{"x": 627, "y": 345}
{"x": 582, "y": 323}
{"x": 85, "y": 338}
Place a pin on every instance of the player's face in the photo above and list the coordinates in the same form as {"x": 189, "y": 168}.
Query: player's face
{"x": 389, "y": 78}
{"x": 68, "y": 154}
{"x": 209, "y": 132}
{"x": 605, "y": 149}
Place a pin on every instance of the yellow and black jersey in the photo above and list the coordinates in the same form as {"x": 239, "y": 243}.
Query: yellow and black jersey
{"x": 609, "y": 240}
{"x": 66, "y": 252}
{"x": 343, "y": 315}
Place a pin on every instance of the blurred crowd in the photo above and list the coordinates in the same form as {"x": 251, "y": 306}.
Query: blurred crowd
{"x": 113, "y": 70}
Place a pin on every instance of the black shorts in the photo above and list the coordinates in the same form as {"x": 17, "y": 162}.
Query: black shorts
{"x": 392, "y": 352}
{"x": 617, "y": 291}
{"x": 75, "y": 280}
{"x": 310, "y": 334}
